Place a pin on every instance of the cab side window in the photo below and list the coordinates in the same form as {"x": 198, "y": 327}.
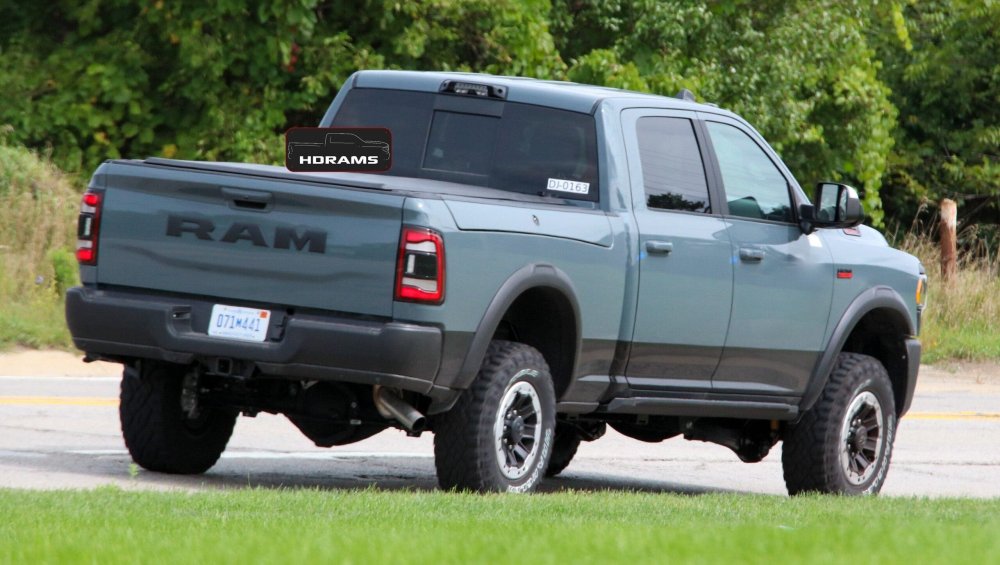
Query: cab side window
{"x": 672, "y": 169}
{"x": 754, "y": 186}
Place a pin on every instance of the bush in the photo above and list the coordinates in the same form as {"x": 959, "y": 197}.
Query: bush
{"x": 37, "y": 233}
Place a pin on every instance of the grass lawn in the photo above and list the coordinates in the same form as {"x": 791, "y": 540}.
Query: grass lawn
{"x": 109, "y": 525}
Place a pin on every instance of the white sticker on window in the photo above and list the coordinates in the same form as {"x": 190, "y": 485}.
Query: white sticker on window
{"x": 562, "y": 185}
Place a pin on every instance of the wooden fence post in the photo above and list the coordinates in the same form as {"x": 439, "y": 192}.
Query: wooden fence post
{"x": 949, "y": 239}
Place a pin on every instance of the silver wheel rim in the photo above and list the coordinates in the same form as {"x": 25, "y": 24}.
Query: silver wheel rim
{"x": 862, "y": 438}
{"x": 517, "y": 430}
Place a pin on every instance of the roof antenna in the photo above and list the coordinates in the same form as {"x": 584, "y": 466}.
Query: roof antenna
{"x": 686, "y": 95}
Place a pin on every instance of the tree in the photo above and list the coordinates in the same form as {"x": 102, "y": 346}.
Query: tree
{"x": 945, "y": 80}
{"x": 801, "y": 72}
{"x": 224, "y": 80}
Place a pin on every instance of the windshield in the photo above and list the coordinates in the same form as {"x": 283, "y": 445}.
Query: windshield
{"x": 503, "y": 145}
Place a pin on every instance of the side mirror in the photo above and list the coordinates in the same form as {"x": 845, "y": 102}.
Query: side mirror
{"x": 836, "y": 206}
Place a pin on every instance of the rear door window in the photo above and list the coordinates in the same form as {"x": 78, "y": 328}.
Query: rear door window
{"x": 672, "y": 170}
{"x": 513, "y": 147}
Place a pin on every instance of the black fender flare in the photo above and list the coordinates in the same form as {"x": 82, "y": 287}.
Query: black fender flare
{"x": 530, "y": 276}
{"x": 871, "y": 299}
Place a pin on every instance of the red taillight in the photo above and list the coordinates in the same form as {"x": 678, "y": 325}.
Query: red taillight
{"x": 88, "y": 227}
{"x": 420, "y": 266}
{"x": 85, "y": 254}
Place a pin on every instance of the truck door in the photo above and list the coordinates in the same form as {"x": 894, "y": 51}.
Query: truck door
{"x": 783, "y": 279}
{"x": 685, "y": 268}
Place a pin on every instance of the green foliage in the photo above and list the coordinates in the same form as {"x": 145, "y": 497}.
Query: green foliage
{"x": 821, "y": 79}
{"x": 65, "y": 272}
{"x": 947, "y": 89}
{"x": 224, "y": 80}
{"x": 801, "y": 72}
{"x": 182, "y": 79}
{"x": 492, "y": 36}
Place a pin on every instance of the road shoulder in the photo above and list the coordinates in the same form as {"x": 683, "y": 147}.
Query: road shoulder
{"x": 50, "y": 363}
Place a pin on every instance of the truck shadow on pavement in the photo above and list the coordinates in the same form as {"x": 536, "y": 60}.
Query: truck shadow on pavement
{"x": 60, "y": 470}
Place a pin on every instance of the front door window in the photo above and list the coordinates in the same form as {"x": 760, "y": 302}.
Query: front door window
{"x": 755, "y": 188}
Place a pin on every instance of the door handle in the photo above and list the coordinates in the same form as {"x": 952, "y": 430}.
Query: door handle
{"x": 751, "y": 254}
{"x": 663, "y": 247}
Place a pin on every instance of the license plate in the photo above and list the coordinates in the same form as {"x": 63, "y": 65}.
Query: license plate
{"x": 234, "y": 322}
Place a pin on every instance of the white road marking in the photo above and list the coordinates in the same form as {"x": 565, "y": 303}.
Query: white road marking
{"x": 304, "y": 455}
{"x": 62, "y": 379}
{"x": 58, "y": 401}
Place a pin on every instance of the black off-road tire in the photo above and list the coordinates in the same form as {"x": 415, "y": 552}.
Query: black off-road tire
{"x": 468, "y": 452}
{"x": 158, "y": 433}
{"x": 563, "y": 449}
{"x": 813, "y": 448}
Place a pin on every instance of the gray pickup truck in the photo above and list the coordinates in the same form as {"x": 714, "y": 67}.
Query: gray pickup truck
{"x": 542, "y": 260}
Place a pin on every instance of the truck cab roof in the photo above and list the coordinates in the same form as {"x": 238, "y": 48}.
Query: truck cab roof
{"x": 552, "y": 93}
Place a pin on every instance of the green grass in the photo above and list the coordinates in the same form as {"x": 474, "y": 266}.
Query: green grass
{"x": 37, "y": 321}
{"x": 110, "y": 525}
{"x": 974, "y": 341}
{"x": 962, "y": 320}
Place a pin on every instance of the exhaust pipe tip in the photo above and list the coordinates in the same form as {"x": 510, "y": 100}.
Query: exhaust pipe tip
{"x": 419, "y": 425}
{"x": 391, "y": 406}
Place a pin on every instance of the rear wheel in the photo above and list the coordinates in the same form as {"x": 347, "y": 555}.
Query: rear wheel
{"x": 844, "y": 443}
{"x": 498, "y": 437}
{"x": 166, "y": 433}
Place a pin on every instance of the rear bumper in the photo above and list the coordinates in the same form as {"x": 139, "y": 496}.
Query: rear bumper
{"x": 125, "y": 323}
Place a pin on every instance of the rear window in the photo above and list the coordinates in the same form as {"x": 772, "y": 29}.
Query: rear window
{"x": 503, "y": 145}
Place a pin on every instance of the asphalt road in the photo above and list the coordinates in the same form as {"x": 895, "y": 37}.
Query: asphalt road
{"x": 63, "y": 432}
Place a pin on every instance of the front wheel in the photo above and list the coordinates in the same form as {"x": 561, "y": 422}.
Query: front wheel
{"x": 844, "y": 443}
{"x": 498, "y": 437}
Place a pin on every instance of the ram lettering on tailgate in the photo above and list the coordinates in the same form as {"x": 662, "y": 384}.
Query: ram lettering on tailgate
{"x": 284, "y": 237}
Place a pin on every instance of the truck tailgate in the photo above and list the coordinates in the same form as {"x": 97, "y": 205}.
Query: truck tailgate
{"x": 239, "y": 235}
